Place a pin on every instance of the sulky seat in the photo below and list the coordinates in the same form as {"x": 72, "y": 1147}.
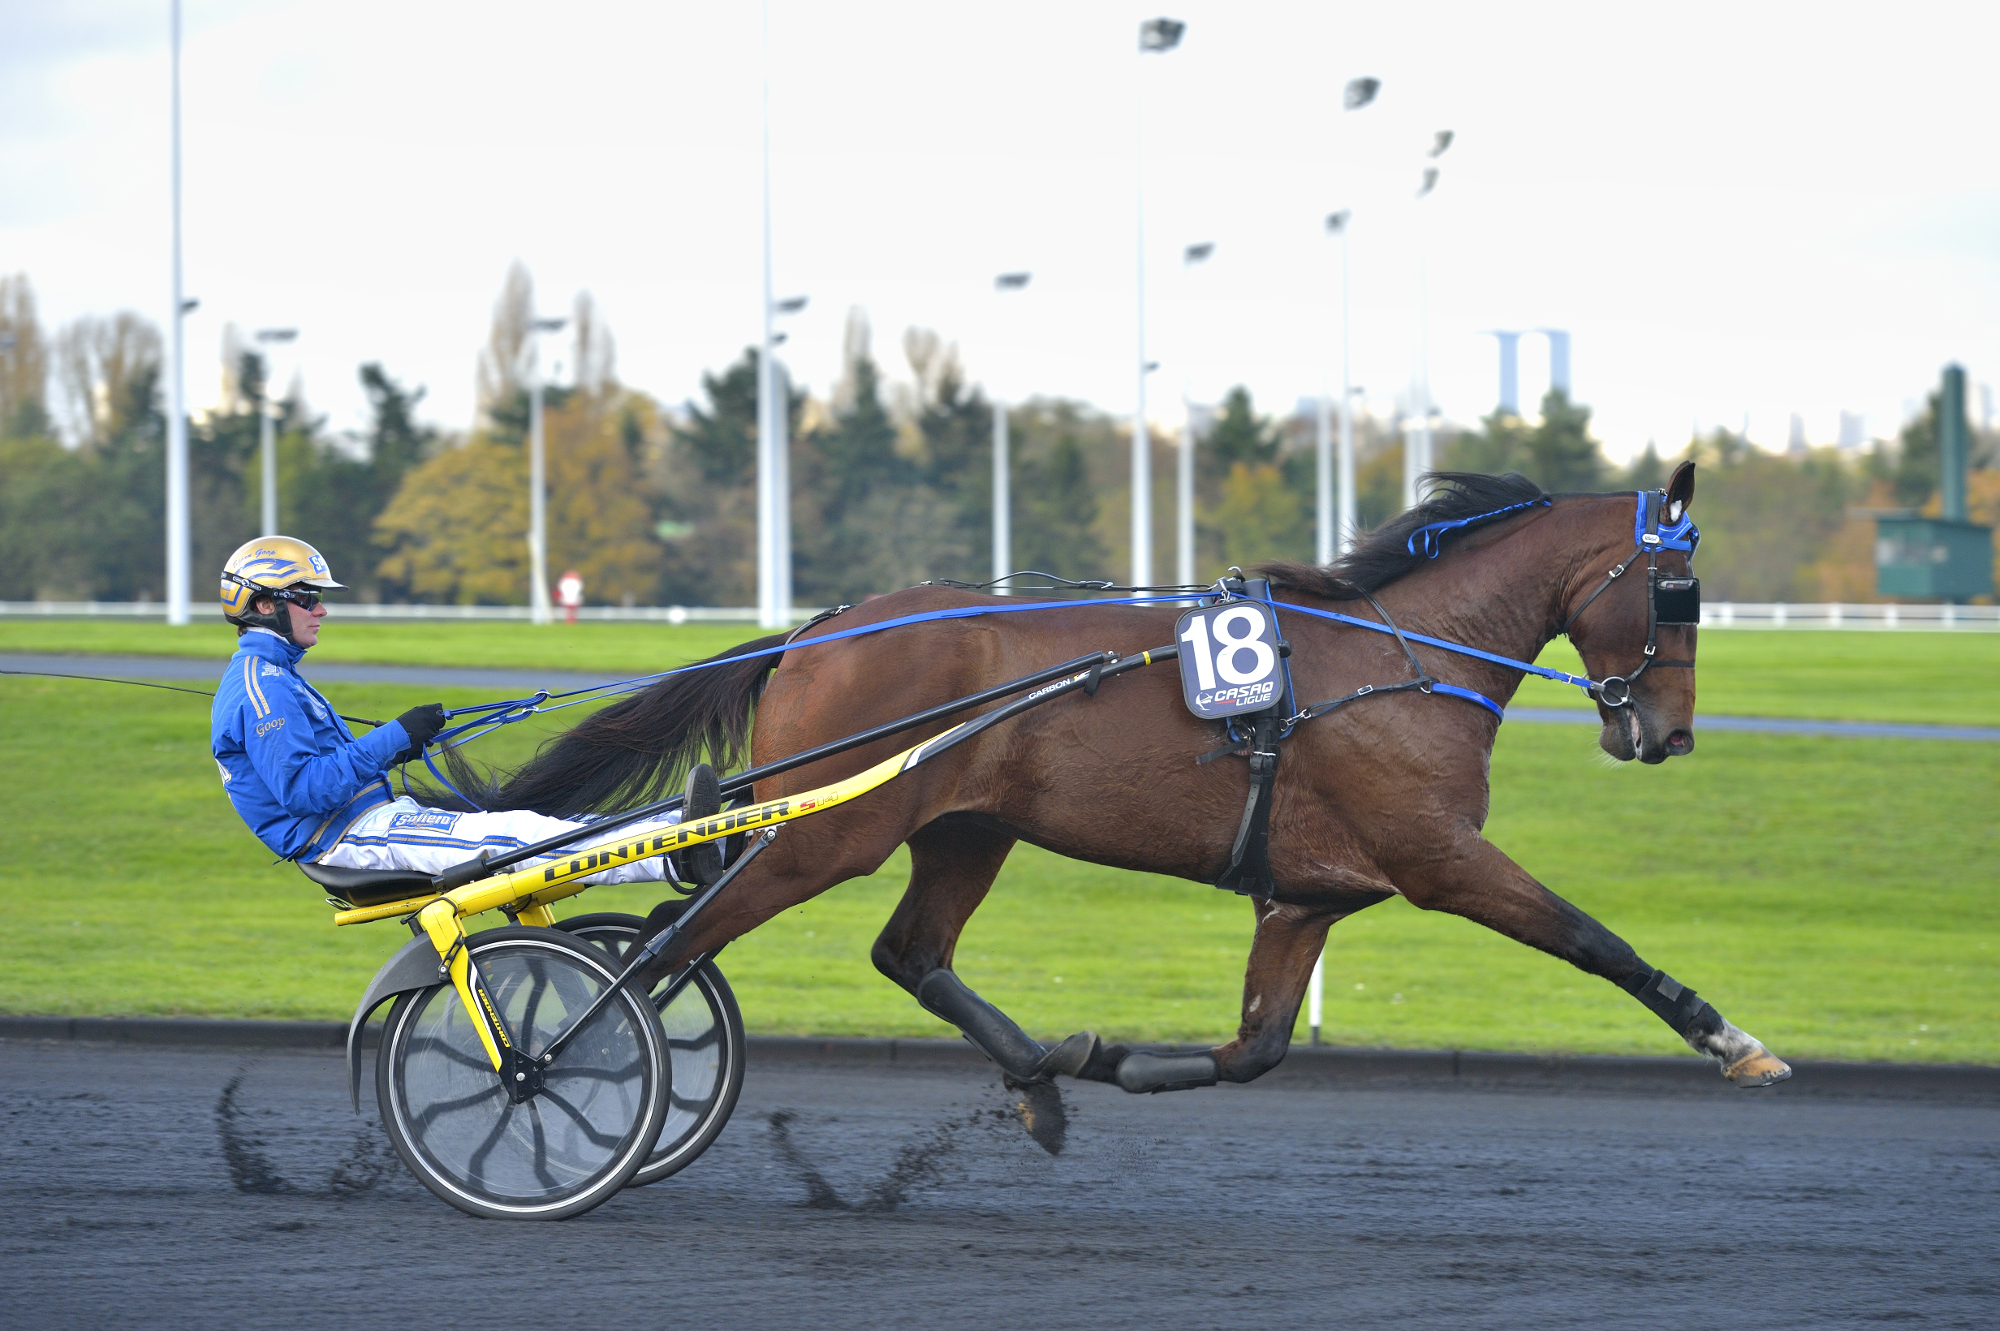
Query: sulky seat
{"x": 368, "y": 887}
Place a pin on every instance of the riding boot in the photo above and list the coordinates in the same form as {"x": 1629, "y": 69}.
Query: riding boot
{"x": 701, "y": 865}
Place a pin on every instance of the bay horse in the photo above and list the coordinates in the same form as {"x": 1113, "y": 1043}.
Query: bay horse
{"x": 1385, "y": 797}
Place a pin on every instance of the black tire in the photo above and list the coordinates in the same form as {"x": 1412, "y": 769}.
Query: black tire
{"x": 451, "y": 1121}
{"x": 704, "y": 1032}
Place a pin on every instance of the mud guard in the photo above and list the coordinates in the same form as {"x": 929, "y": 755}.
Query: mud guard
{"x": 415, "y": 966}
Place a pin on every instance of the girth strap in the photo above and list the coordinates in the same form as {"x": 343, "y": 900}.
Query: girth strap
{"x": 1249, "y": 870}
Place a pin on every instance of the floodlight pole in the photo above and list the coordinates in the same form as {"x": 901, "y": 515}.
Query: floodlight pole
{"x": 267, "y": 442}
{"x": 179, "y": 554}
{"x": 1003, "y": 476}
{"x": 538, "y": 528}
{"x": 1155, "y": 35}
{"x": 1184, "y": 552}
{"x": 1335, "y": 526}
{"x": 772, "y": 608}
{"x": 1417, "y": 457}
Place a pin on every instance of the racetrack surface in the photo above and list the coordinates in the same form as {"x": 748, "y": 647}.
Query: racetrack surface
{"x": 170, "y": 1187}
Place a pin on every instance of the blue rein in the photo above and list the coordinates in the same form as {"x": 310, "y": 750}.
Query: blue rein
{"x": 1681, "y": 535}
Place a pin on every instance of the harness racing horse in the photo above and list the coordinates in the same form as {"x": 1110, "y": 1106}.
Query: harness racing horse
{"x": 1383, "y": 797}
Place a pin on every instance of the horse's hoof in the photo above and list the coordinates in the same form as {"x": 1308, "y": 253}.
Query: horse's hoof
{"x": 1042, "y": 1112}
{"x": 1759, "y": 1068}
{"x": 1068, "y": 1058}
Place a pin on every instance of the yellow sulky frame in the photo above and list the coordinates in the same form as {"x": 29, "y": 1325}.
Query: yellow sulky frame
{"x": 528, "y": 892}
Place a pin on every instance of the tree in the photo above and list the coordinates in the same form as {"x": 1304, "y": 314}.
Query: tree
{"x": 1258, "y": 518}
{"x": 106, "y": 369}
{"x": 863, "y": 522}
{"x": 1915, "y": 478}
{"x": 704, "y": 489}
{"x": 499, "y": 380}
{"x": 955, "y": 427}
{"x": 1238, "y": 436}
{"x": 24, "y": 363}
{"x": 1557, "y": 452}
{"x": 457, "y": 528}
{"x": 1063, "y": 453}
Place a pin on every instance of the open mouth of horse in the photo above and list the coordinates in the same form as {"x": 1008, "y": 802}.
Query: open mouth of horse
{"x": 1628, "y": 735}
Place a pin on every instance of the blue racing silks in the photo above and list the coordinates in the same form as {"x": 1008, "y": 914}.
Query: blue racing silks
{"x": 288, "y": 762}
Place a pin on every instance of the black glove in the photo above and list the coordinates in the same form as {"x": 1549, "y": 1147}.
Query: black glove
{"x": 422, "y": 723}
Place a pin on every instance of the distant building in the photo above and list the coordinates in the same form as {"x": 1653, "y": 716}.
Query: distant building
{"x": 1795, "y": 439}
{"x": 1510, "y": 369}
{"x": 1853, "y": 431}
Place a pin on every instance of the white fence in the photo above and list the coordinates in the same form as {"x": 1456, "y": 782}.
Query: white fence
{"x": 1832, "y": 615}
{"x": 661, "y": 614}
{"x": 1715, "y": 614}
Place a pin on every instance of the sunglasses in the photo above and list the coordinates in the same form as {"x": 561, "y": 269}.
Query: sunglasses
{"x": 303, "y": 600}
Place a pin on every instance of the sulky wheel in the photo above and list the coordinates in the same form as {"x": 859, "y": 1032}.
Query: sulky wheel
{"x": 705, "y": 1040}
{"x": 569, "y": 1146}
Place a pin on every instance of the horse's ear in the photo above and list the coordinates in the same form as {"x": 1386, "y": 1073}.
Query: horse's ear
{"x": 1680, "y": 490}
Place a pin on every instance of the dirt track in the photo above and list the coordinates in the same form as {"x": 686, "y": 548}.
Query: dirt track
{"x": 160, "y": 1187}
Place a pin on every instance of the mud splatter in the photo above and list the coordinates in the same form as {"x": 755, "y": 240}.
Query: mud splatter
{"x": 242, "y": 1152}
{"x": 252, "y": 1172}
{"x": 918, "y": 1163}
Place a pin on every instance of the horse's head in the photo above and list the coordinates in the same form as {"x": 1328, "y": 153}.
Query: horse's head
{"x": 1648, "y": 708}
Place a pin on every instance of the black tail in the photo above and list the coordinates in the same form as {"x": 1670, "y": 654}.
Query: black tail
{"x": 632, "y": 752}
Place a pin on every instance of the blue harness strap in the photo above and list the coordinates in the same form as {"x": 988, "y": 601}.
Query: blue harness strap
{"x": 1648, "y": 532}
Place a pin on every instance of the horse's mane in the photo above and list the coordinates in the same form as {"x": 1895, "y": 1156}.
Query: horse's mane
{"x": 1383, "y": 555}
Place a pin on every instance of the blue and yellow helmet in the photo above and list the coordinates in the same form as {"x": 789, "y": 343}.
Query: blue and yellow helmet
{"x": 264, "y": 566}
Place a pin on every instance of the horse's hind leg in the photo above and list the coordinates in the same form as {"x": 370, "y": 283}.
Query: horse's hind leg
{"x": 953, "y": 862}
{"x": 1287, "y": 942}
{"x": 1480, "y": 883}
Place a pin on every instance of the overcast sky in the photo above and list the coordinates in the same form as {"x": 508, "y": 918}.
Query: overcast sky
{"x": 1735, "y": 209}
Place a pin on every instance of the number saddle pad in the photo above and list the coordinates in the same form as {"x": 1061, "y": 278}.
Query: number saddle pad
{"x": 1229, "y": 660}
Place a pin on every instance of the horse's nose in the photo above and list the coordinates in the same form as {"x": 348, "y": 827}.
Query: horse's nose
{"x": 1680, "y": 742}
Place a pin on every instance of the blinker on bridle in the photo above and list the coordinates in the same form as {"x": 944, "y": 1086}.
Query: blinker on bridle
{"x": 1668, "y": 600}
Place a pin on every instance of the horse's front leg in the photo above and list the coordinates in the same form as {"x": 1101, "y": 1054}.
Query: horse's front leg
{"x": 1469, "y": 876}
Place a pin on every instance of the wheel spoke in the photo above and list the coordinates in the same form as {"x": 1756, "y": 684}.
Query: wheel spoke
{"x": 525, "y": 1031}
{"x": 475, "y": 1166}
{"x": 542, "y": 1173}
{"x": 610, "y": 1076}
{"x": 583, "y": 1125}
{"x": 706, "y": 1040}
{"x": 451, "y": 1053}
{"x": 431, "y": 1112}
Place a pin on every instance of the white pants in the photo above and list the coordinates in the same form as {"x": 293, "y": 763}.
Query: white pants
{"x": 404, "y": 834}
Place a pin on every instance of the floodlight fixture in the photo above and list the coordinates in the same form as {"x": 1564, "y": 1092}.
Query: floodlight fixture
{"x": 1011, "y": 281}
{"x": 1160, "y": 34}
{"x": 268, "y": 335}
{"x": 1336, "y": 223}
{"x": 1440, "y": 141}
{"x": 790, "y": 305}
{"x": 1430, "y": 181}
{"x": 548, "y": 325}
{"x": 1359, "y": 92}
{"x": 191, "y": 304}
{"x": 1198, "y": 253}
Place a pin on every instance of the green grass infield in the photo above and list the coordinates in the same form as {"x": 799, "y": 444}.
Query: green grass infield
{"x": 1834, "y": 897}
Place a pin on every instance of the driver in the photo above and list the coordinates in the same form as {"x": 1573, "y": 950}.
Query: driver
{"x": 305, "y": 785}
